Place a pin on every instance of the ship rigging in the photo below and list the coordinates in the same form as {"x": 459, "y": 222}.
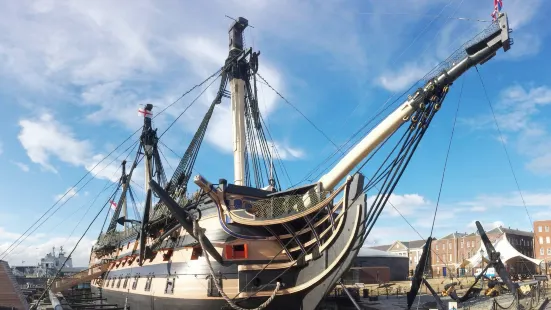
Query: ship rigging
{"x": 270, "y": 247}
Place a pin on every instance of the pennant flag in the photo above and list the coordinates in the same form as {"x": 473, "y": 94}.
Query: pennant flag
{"x": 498, "y": 4}
{"x": 113, "y": 205}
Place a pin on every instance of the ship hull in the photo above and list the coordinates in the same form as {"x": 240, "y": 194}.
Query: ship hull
{"x": 184, "y": 281}
{"x": 148, "y": 302}
{"x": 316, "y": 279}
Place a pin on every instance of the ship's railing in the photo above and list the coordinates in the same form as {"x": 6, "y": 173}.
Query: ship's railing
{"x": 461, "y": 52}
{"x": 113, "y": 238}
{"x": 161, "y": 211}
{"x": 81, "y": 277}
{"x": 280, "y": 207}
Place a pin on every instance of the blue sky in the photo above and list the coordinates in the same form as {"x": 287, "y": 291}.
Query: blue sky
{"x": 73, "y": 75}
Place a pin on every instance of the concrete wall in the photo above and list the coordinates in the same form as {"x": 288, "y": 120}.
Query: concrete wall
{"x": 399, "y": 266}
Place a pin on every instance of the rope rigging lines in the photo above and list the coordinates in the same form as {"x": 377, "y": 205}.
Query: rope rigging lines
{"x": 505, "y": 148}
{"x": 47, "y": 289}
{"x": 421, "y": 120}
{"x": 26, "y": 234}
{"x": 300, "y": 112}
{"x": 442, "y": 182}
{"x": 63, "y": 200}
{"x": 459, "y": 52}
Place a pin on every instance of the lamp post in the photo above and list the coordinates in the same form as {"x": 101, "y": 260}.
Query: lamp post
{"x": 482, "y": 265}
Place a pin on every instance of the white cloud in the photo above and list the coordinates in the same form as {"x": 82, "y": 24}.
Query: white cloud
{"x": 123, "y": 56}
{"x": 206, "y": 55}
{"x": 517, "y": 114}
{"x": 69, "y": 193}
{"x": 512, "y": 199}
{"x": 404, "y": 77}
{"x": 406, "y": 204}
{"x": 486, "y": 225}
{"x": 44, "y": 138}
{"x": 521, "y": 12}
{"x": 518, "y": 110}
{"x": 39, "y": 245}
{"x": 7, "y": 235}
{"x": 540, "y": 164}
{"x": 478, "y": 209}
{"x": 526, "y": 44}
{"x": 379, "y": 234}
{"x": 22, "y": 166}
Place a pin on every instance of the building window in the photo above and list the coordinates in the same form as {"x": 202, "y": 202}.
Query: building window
{"x": 546, "y": 228}
{"x": 437, "y": 246}
{"x": 472, "y": 243}
{"x": 450, "y": 258}
{"x": 462, "y": 243}
{"x": 125, "y": 281}
{"x": 539, "y": 228}
{"x": 547, "y": 240}
{"x": 548, "y": 251}
{"x": 437, "y": 259}
{"x": 449, "y": 246}
{"x": 468, "y": 244}
{"x": 541, "y": 240}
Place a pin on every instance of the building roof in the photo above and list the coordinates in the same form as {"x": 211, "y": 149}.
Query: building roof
{"x": 381, "y": 247}
{"x": 454, "y": 235}
{"x": 509, "y": 231}
{"x": 415, "y": 244}
{"x": 370, "y": 252}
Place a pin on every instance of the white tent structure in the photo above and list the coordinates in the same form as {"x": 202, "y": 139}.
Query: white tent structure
{"x": 506, "y": 250}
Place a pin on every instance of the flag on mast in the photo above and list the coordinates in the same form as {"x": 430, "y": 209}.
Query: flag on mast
{"x": 498, "y": 4}
{"x": 113, "y": 205}
{"x": 145, "y": 113}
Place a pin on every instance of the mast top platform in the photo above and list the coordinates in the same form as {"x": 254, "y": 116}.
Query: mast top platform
{"x": 236, "y": 33}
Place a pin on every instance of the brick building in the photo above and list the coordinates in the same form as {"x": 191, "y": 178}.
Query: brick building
{"x": 444, "y": 255}
{"x": 542, "y": 238}
{"x": 449, "y": 252}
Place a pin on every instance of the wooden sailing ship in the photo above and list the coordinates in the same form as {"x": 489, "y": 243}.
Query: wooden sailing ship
{"x": 246, "y": 243}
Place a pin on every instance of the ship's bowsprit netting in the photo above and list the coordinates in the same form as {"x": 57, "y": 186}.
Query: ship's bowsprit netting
{"x": 278, "y": 207}
{"x": 461, "y": 53}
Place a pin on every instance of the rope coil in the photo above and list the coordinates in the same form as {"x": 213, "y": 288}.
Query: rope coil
{"x": 198, "y": 232}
